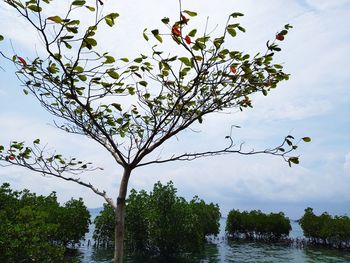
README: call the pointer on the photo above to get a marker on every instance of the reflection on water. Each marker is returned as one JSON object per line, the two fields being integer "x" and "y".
{"x": 232, "y": 251}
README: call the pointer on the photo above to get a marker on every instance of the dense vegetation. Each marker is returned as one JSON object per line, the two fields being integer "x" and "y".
{"x": 326, "y": 229}
{"x": 36, "y": 228}
{"x": 256, "y": 225}
{"x": 160, "y": 223}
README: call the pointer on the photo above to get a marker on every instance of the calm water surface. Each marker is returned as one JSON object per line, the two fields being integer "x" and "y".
{"x": 235, "y": 251}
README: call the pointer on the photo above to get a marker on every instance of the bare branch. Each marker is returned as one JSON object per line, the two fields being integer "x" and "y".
{"x": 281, "y": 150}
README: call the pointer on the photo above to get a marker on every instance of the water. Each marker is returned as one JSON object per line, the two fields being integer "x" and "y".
{"x": 235, "y": 251}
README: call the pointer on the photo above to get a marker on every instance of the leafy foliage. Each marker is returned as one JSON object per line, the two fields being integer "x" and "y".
{"x": 161, "y": 223}
{"x": 104, "y": 226}
{"x": 208, "y": 78}
{"x": 257, "y": 225}
{"x": 36, "y": 228}
{"x": 326, "y": 229}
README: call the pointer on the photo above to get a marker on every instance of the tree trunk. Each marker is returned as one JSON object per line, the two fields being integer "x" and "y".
{"x": 120, "y": 218}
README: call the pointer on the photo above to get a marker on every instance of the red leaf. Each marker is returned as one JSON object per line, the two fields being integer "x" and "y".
{"x": 188, "y": 39}
{"x": 184, "y": 19}
{"x": 280, "y": 37}
{"x": 11, "y": 157}
{"x": 176, "y": 30}
{"x": 233, "y": 69}
{"x": 22, "y": 61}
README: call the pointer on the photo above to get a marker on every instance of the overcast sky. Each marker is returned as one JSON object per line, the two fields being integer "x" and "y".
{"x": 314, "y": 102}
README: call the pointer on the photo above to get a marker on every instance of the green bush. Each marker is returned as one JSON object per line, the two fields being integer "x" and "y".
{"x": 36, "y": 228}
{"x": 257, "y": 225}
{"x": 325, "y": 229}
{"x": 160, "y": 223}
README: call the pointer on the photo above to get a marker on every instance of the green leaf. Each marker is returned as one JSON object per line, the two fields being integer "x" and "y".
{"x": 124, "y": 59}
{"x": 241, "y": 28}
{"x": 144, "y": 34}
{"x": 143, "y": 83}
{"x": 159, "y": 38}
{"x": 190, "y": 13}
{"x": 35, "y": 8}
{"x": 278, "y": 66}
{"x": 109, "y": 60}
{"x": 236, "y": 14}
{"x": 294, "y": 160}
{"x": 186, "y": 61}
{"x": 203, "y": 39}
{"x": 117, "y": 106}
{"x": 79, "y": 69}
{"x": 92, "y": 9}
{"x": 218, "y": 42}
{"x": 79, "y": 2}
{"x": 90, "y": 41}
{"x": 55, "y": 19}
{"x": 1, "y": 37}
{"x": 67, "y": 45}
{"x": 283, "y": 32}
{"x": 165, "y": 20}
{"x": 113, "y": 74}
{"x": 288, "y": 26}
{"x": 192, "y": 33}
{"x": 306, "y": 139}
{"x": 111, "y": 18}
{"x": 82, "y": 77}
{"x": 155, "y": 33}
{"x": 131, "y": 90}
{"x": 25, "y": 91}
{"x": 37, "y": 141}
{"x": 73, "y": 23}
{"x": 200, "y": 119}
{"x": 231, "y": 30}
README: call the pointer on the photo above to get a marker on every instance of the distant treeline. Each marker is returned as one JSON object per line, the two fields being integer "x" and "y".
{"x": 326, "y": 229}
{"x": 255, "y": 225}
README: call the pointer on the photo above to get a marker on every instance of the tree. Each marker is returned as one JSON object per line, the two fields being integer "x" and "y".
{"x": 37, "y": 228}
{"x": 76, "y": 84}
{"x": 326, "y": 229}
{"x": 161, "y": 224}
{"x": 104, "y": 226}
{"x": 257, "y": 225}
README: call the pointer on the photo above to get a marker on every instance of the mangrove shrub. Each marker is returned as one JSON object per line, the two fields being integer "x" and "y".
{"x": 160, "y": 223}
{"x": 326, "y": 229}
{"x": 37, "y": 228}
{"x": 257, "y": 225}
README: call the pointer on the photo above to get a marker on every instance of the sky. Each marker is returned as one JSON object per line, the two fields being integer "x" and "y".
{"x": 315, "y": 102}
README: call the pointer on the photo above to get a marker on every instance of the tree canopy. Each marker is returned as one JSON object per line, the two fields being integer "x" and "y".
{"x": 333, "y": 231}
{"x": 160, "y": 223}
{"x": 257, "y": 225}
{"x": 38, "y": 228}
